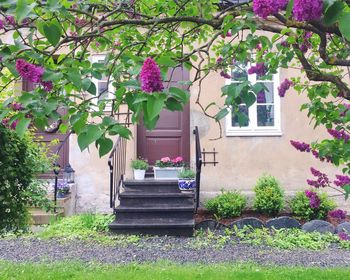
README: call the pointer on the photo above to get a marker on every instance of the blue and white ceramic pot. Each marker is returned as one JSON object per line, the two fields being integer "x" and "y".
{"x": 187, "y": 184}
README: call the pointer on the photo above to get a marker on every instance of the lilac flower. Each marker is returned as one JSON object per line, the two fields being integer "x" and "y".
{"x": 225, "y": 75}
{"x": 258, "y": 69}
{"x": 14, "y": 124}
{"x": 322, "y": 179}
{"x": 10, "y": 20}
{"x": 342, "y": 180}
{"x": 339, "y": 134}
{"x": 80, "y": 22}
{"x": 337, "y": 214}
{"x": 264, "y": 8}
{"x": 29, "y": 71}
{"x": 314, "y": 200}
{"x": 228, "y": 34}
{"x": 16, "y": 106}
{"x": 305, "y": 10}
{"x": 344, "y": 236}
{"x": 151, "y": 80}
{"x": 219, "y": 60}
{"x": 48, "y": 86}
{"x": 284, "y": 86}
{"x": 1, "y": 24}
{"x": 282, "y": 4}
{"x": 5, "y": 121}
{"x": 300, "y": 146}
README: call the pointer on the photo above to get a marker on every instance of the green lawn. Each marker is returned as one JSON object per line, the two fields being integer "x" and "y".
{"x": 163, "y": 271}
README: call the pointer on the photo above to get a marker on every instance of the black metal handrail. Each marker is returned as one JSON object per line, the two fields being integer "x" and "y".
{"x": 117, "y": 165}
{"x": 57, "y": 167}
{"x": 198, "y": 164}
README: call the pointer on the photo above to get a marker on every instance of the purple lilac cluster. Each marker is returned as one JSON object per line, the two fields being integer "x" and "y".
{"x": 304, "y": 10}
{"x": 322, "y": 179}
{"x": 219, "y": 60}
{"x": 339, "y": 134}
{"x": 258, "y": 69}
{"x": 6, "y": 121}
{"x": 225, "y": 75}
{"x": 32, "y": 73}
{"x": 306, "y": 45}
{"x": 342, "y": 180}
{"x": 314, "y": 200}
{"x": 285, "y": 44}
{"x": 16, "y": 106}
{"x": 343, "y": 236}
{"x": 151, "y": 80}
{"x": 228, "y": 34}
{"x": 284, "y": 86}
{"x": 80, "y": 22}
{"x": 337, "y": 214}
{"x": 260, "y": 97}
{"x": 300, "y": 146}
{"x": 265, "y": 8}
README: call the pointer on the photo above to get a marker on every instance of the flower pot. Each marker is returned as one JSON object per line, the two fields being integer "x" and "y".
{"x": 139, "y": 174}
{"x": 187, "y": 184}
{"x": 166, "y": 173}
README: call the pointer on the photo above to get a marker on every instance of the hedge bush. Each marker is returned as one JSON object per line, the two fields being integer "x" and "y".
{"x": 20, "y": 160}
{"x": 269, "y": 196}
{"x": 227, "y": 205}
{"x": 301, "y": 208}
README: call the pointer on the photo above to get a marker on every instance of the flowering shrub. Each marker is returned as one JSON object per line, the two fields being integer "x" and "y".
{"x": 337, "y": 214}
{"x": 309, "y": 205}
{"x": 269, "y": 196}
{"x": 168, "y": 162}
{"x": 227, "y": 205}
{"x": 20, "y": 160}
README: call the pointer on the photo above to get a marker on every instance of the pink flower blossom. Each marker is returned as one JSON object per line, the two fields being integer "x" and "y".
{"x": 177, "y": 159}
{"x": 165, "y": 159}
{"x": 151, "y": 80}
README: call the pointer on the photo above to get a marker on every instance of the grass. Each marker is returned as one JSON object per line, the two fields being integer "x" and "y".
{"x": 164, "y": 271}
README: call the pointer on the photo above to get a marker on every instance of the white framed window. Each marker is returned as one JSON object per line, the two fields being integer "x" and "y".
{"x": 103, "y": 90}
{"x": 264, "y": 116}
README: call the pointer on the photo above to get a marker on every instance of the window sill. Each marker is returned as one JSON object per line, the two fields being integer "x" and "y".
{"x": 253, "y": 133}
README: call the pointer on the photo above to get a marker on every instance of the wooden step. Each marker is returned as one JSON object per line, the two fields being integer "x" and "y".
{"x": 151, "y": 185}
{"x": 160, "y": 199}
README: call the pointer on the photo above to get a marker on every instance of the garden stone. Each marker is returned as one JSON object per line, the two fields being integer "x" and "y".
{"x": 207, "y": 224}
{"x": 283, "y": 222}
{"x": 250, "y": 222}
{"x": 319, "y": 226}
{"x": 343, "y": 227}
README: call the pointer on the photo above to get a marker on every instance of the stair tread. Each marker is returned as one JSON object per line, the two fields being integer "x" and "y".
{"x": 142, "y": 223}
{"x": 155, "y": 194}
{"x": 151, "y": 181}
{"x": 152, "y": 208}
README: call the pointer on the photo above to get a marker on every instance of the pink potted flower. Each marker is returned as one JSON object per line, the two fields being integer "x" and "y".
{"x": 167, "y": 168}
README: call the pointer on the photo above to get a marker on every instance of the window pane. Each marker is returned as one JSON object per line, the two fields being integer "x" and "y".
{"x": 266, "y": 115}
{"x": 239, "y": 72}
{"x": 244, "y": 110}
{"x": 102, "y": 90}
{"x": 266, "y": 95}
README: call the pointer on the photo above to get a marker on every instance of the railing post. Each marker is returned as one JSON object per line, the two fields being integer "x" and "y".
{"x": 56, "y": 170}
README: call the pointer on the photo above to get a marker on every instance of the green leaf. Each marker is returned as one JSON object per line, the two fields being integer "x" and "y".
{"x": 118, "y": 129}
{"x": 173, "y": 105}
{"x": 105, "y": 145}
{"x": 333, "y": 13}
{"x": 86, "y": 83}
{"x": 242, "y": 118}
{"x": 222, "y": 114}
{"x": 22, "y": 126}
{"x": 92, "y": 133}
{"x": 180, "y": 94}
{"x": 346, "y": 188}
{"x": 92, "y": 89}
{"x": 344, "y": 25}
{"x": 23, "y": 9}
{"x": 166, "y": 61}
{"x": 289, "y": 8}
{"x": 155, "y": 104}
{"x": 74, "y": 76}
{"x": 53, "y": 33}
{"x": 51, "y": 76}
{"x": 79, "y": 122}
{"x": 249, "y": 98}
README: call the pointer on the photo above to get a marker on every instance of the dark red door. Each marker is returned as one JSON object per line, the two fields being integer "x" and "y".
{"x": 171, "y": 136}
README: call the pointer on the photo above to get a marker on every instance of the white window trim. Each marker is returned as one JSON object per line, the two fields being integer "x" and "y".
{"x": 253, "y": 129}
{"x": 95, "y": 58}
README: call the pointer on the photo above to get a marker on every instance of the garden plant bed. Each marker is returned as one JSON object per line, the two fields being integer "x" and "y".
{"x": 203, "y": 215}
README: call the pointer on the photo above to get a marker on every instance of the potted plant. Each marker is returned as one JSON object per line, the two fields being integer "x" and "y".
{"x": 187, "y": 181}
{"x": 140, "y": 166}
{"x": 167, "y": 168}
{"x": 62, "y": 189}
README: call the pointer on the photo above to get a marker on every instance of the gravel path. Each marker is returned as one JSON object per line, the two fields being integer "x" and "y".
{"x": 165, "y": 248}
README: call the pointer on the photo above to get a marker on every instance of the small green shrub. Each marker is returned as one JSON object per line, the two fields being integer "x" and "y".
{"x": 226, "y": 205}
{"x": 187, "y": 174}
{"x": 139, "y": 164}
{"x": 269, "y": 196}
{"x": 300, "y": 206}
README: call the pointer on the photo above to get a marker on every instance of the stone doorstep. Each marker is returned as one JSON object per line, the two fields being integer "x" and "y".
{"x": 40, "y": 217}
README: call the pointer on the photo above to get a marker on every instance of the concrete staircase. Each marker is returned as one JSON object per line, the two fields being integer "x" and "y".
{"x": 154, "y": 207}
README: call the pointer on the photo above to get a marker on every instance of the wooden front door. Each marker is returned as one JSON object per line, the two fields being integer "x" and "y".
{"x": 171, "y": 136}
